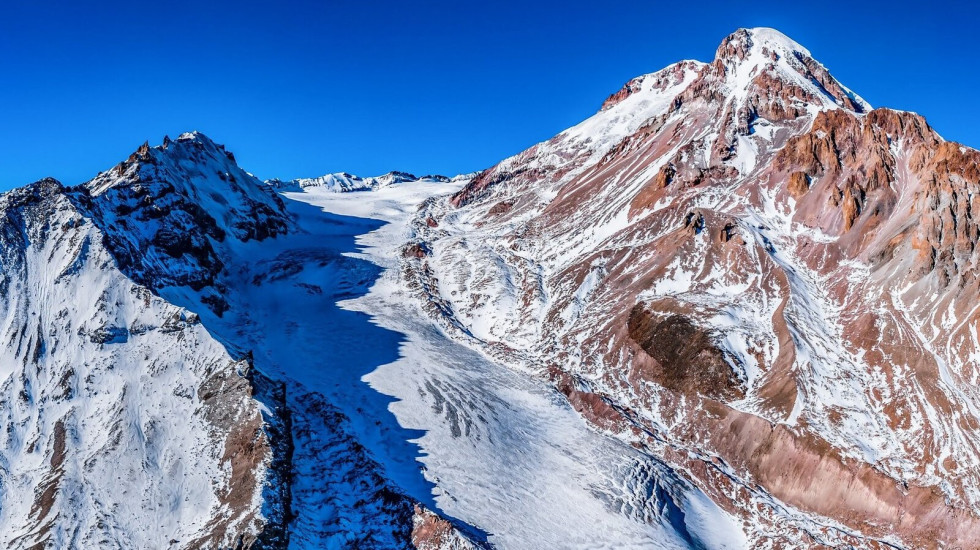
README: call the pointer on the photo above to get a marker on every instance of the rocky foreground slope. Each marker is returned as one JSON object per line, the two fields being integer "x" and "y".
{"x": 743, "y": 268}
{"x": 125, "y": 423}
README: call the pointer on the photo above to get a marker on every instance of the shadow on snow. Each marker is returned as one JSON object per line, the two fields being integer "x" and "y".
{"x": 283, "y": 296}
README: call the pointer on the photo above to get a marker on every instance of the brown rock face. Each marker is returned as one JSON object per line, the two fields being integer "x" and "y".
{"x": 689, "y": 360}
{"x": 225, "y": 397}
{"x": 431, "y": 532}
{"x": 798, "y": 184}
{"x": 762, "y": 281}
{"x": 626, "y": 91}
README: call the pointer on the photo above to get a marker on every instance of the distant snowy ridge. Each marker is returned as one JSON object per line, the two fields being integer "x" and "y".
{"x": 342, "y": 182}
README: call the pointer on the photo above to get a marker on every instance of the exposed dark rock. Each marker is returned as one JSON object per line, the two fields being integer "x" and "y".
{"x": 690, "y": 361}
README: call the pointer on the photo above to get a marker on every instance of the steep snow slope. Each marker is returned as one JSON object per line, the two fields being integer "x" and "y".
{"x": 742, "y": 268}
{"x": 125, "y": 423}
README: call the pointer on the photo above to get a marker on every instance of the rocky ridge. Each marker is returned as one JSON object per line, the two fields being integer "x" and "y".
{"x": 96, "y": 367}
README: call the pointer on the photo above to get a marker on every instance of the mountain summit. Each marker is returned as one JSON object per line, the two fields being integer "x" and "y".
{"x": 748, "y": 54}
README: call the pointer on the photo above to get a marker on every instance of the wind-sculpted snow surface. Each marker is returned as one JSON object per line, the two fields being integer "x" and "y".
{"x": 742, "y": 268}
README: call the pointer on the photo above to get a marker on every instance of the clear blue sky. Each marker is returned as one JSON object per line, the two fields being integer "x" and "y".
{"x": 299, "y": 88}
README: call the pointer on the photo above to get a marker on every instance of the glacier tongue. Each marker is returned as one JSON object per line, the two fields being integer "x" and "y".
{"x": 500, "y": 451}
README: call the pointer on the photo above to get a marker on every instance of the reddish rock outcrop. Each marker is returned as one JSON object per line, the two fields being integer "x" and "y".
{"x": 431, "y": 532}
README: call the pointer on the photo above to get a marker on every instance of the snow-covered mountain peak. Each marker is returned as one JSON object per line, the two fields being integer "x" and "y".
{"x": 763, "y": 61}
{"x": 740, "y": 43}
{"x": 189, "y": 157}
{"x": 193, "y": 169}
{"x": 764, "y": 204}
{"x": 761, "y": 88}
{"x": 194, "y": 135}
{"x": 166, "y": 209}
{"x": 117, "y": 406}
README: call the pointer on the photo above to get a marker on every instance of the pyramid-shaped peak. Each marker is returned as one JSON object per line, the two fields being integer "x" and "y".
{"x": 738, "y": 44}
{"x": 766, "y": 58}
{"x": 191, "y": 152}
{"x": 199, "y": 140}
